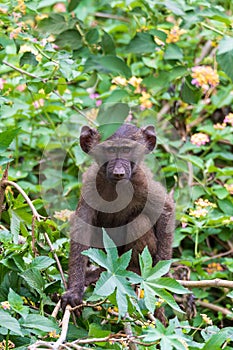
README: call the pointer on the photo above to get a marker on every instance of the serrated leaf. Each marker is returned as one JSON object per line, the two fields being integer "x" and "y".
{"x": 42, "y": 262}
{"x": 34, "y": 279}
{"x": 190, "y": 93}
{"x": 15, "y": 227}
{"x": 197, "y": 161}
{"x": 6, "y": 137}
{"x": 10, "y": 323}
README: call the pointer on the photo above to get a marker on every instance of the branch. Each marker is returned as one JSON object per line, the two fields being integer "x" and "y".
{"x": 65, "y": 323}
{"x": 24, "y": 72}
{"x": 2, "y": 189}
{"x": 207, "y": 283}
{"x": 37, "y": 217}
{"x": 217, "y": 308}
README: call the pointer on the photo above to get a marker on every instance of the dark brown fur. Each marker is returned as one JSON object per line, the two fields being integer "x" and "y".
{"x": 148, "y": 220}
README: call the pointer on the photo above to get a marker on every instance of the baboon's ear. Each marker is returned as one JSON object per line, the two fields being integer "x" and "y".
{"x": 149, "y": 136}
{"x": 89, "y": 138}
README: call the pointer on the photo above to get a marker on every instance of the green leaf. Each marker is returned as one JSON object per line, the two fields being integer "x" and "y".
{"x": 217, "y": 340}
{"x": 226, "y": 206}
{"x": 97, "y": 256}
{"x": 107, "y": 64}
{"x": 6, "y": 137}
{"x": 10, "y": 323}
{"x": 73, "y": 4}
{"x": 145, "y": 262}
{"x": 190, "y": 93}
{"x": 142, "y": 43}
{"x": 28, "y": 58}
{"x": 160, "y": 269}
{"x": 173, "y": 52}
{"x": 169, "y": 283}
{"x": 14, "y": 226}
{"x": 108, "y": 45}
{"x": 197, "y": 161}
{"x": 110, "y": 117}
{"x": 41, "y": 323}
{"x": 34, "y": 279}
{"x": 54, "y": 24}
{"x": 16, "y": 303}
{"x": 69, "y": 39}
{"x": 42, "y": 262}
{"x": 163, "y": 294}
{"x": 96, "y": 331}
{"x": 225, "y": 55}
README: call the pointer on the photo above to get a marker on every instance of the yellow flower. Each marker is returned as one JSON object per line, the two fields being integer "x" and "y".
{"x": 21, "y": 7}
{"x": 135, "y": 82}
{"x": 204, "y": 77}
{"x": 206, "y": 319}
{"x": 199, "y": 139}
{"x": 174, "y": 34}
{"x": 119, "y": 81}
{"x": 145, "y": 101}
{"x": 229, "y": 119}
{"x": 53, "y": 334}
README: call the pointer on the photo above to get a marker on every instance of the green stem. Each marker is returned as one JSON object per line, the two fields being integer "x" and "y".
{"x": 211, "y": 28}
{"x": 7, "y": 340}
{"x": 196, "y": 243}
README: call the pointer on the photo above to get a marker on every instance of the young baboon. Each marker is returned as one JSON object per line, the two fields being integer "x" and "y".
{"x": 120, "y": 195}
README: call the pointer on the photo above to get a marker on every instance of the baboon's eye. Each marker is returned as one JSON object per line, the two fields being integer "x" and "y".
{"x": 112, "y": 149}
{"x": 125, "y": 149}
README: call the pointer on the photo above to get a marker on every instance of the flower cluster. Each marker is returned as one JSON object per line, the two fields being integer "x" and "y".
{"x": 201, "y": 208}
{"x": 204, "y": 77}
{"x": 63, "y": 215}
{"x": 206, "y": 319}
{"x": 229, "y": 119}
{"x": 174, "y": 34}
{"x": 214, "y": 267}
{"x": 144, "y": 100}
{"x": 199, "y": 139}
{"x": 220, "y": 126}
{"x": 198, "y": 213}
{"x": 203, "y": 203}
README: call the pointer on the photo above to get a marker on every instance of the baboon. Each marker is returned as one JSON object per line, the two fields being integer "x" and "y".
{"x": 120, "y": 195}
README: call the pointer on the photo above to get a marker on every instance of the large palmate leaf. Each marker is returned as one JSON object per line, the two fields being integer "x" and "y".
{"x": 116, "y": 277}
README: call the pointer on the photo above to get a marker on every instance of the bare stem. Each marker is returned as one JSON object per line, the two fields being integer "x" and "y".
{"x": 207, "y": 283}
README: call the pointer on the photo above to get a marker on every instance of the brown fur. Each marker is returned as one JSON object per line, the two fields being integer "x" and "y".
{"x": 151, "y": 210}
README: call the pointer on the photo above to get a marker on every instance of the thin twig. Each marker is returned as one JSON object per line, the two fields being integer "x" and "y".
{"x": 24, "y": 72}
{"x": 110, "y": 16}
{"x": 207, "y": 283}
{"x": 56, "y": 309}
{"x": 2, "y": 189}
{"x": 216, "y": 308}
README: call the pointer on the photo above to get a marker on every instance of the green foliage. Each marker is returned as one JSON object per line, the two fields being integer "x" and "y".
{"x": 68, "y": 64}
